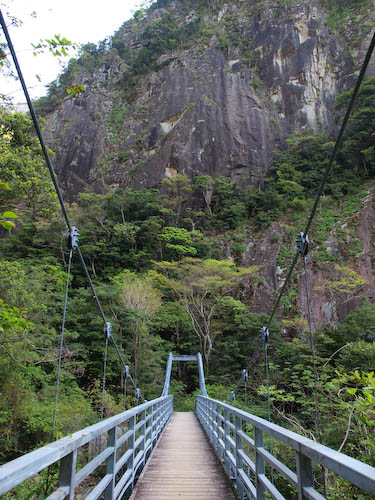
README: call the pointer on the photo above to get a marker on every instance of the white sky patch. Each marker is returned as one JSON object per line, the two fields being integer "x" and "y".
{"x": 80, "y": 21}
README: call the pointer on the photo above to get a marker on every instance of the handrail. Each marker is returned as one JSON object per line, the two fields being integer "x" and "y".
{"x": 145, "y": 424}
{"x": 226, "y": 428}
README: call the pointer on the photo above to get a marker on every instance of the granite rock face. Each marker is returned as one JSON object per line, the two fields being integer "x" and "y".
{"x": 219, "y": 106}
{"x": 205, "y": 109}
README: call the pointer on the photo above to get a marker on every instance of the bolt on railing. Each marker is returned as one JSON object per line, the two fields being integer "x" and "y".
{"x": 228, "y": 430}
{"x": 124, "y": 455}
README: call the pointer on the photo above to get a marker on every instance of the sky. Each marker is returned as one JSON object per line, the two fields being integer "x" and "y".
{"x": 80, "y": 21}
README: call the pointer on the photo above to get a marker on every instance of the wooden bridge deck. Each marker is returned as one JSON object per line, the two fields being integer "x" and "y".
{"x": 183, "y": 466}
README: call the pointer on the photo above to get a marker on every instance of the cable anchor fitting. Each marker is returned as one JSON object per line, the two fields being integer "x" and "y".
{"x": 232, "y": 396}
{"x": 108, "y": 330}
{"x": 137, "y": 393}
{"x": 302, "y": 243}
{"x": 73, "y": 236}
{"x": 127, "y": 371}
{"x": 245, "y": 375}
{"x": 265, "y": 335}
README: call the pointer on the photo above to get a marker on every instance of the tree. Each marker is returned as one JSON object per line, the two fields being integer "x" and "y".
{"x": 360, "y": 137}
{"x": 200, "y": 286}
{"x": 205, "y": 183}
{"x": 142, "y": 300}
{"x": 22, "y": 173}
{"x": 178, "y": 189}
{"x": 348, "y": 282}
{"x": 178, "y": 242}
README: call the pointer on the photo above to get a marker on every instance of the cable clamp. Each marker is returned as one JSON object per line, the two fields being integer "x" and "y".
{"x": 137, "y": 393}
{"x": 245, "y": 375}
{"x": 108, "y": 330}
{"x": 265, "y": 335}
{"x": 127, "y": 371}
{"x": 232, "y": 396}
{"x": 73, "y": 236}
{"x": 302, "y": 243}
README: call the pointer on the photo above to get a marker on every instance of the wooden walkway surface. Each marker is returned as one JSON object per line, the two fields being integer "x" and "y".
{"x": 183, "y": 466}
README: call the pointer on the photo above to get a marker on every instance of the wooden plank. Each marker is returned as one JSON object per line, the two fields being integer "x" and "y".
{"x": 183, "y": 466}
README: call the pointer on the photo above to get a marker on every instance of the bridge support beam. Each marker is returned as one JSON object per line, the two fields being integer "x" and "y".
{"x": 184, "y": 358}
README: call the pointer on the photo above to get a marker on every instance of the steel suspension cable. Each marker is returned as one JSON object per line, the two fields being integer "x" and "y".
{"x": 52, "y": 172}
{"x": 321, "y": 187}
{"x": 126, "y": 373}
{"x": 35, "y": 121}
{"x": 61, "y": 344}
{"x": 327, "y": 171}
{"x": 104, "y": 374}
{"x": 268, "y": 398}
{"x": 91, "y": 285}
{"x": 361, "y": 76}
{"x": 316, "y": 376}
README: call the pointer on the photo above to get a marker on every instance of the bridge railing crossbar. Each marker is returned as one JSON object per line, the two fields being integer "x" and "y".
{"x": 125, "y": 440}
{"x": 228, "y": 430}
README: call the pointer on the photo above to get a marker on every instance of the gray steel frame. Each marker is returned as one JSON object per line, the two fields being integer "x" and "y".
{"x": 180, "y": 357}
{"x": 227, "y": 427}
{"x": 144, "y": 426}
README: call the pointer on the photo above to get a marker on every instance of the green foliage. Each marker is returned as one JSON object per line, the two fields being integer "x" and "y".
{"x": 157, "y": 38}
{"x": 178, "y": 241}
{"x": 70, "y": 80}
{"x": 30, "y": 314}
{"x": 200, "y": 286}
{"x": 340, "y": 11}
{"x": 23, "y": 176}
{"x": 58, "y": 46}
{"x": 360, "y": 139}
{"x": 178, "y": 189}
{"x": 183, "y": 304}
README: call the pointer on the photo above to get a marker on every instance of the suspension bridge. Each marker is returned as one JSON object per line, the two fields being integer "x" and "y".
{"x": 150, "y": 452}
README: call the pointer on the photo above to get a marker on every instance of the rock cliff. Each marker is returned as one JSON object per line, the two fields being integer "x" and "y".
{"x": 250, "y": 74}
{"x": 218, "y": 102}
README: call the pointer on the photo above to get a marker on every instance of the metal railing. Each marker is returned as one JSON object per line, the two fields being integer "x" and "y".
{"x": 126, "y": 440}
{"x": 246, "y": 459}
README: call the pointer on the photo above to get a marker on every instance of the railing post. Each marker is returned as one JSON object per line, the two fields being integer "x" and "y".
{"x": 161, "y": 417}
{"x": 221, "y": 434}
{"x": 226, "y": 441}
{"x": 131, "y": 442}
{"x": 143, "y": 434}
{"x": 111, "y": 464}
{"x": 209, "y": 420}
{"x": 215, "y": 426}
{"x": 259, "y": 462}
{"x": 212, "y": 423}
{"x": 163, "y": 414}
{"x": 151, "y": 424}
{"x": 67, "y": 472}
{"x": 305, "y": 474}
{"x": 239, "y": 462}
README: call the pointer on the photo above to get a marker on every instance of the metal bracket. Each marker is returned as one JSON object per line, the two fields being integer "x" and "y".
{"x": 108, "y": 330}
{"x": 73, "y": 236}
{"x": 302, "y": 243}
{"x": 232, "y": 396}
{"x": 245, "y": 375}
{"x": 137, "y": 393}
{"x": 265, "y": 335}
{"x": 127, "y": 371}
